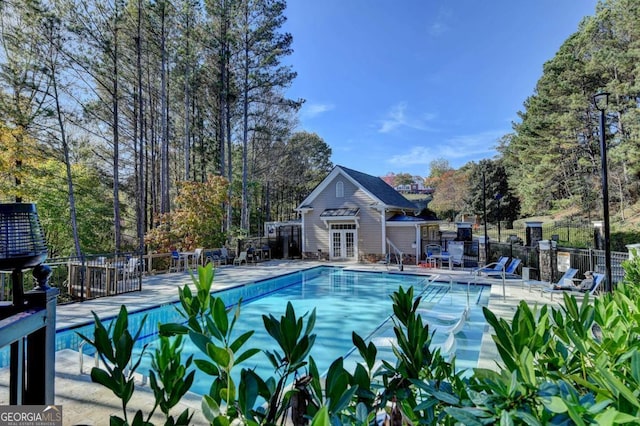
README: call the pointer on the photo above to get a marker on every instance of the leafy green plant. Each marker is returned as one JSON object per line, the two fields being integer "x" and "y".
{"x": 170, "y": 379}
{"x": 115, "y": 347}
{"x": 295, "y": 345}
{"x": 211, "y": 330}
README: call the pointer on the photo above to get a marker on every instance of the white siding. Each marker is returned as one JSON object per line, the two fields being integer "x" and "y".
{"x": 403, "y": 237}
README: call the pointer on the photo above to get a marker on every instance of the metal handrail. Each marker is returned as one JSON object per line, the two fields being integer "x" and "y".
{"x": 398, "y": 254}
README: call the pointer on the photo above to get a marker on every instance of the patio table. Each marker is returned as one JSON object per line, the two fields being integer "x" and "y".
{"x": 185, "y": 256}
{"x": 439, "y": 258}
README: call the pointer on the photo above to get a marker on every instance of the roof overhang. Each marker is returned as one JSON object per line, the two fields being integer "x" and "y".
{"x": 403, "y": 220}
{"x": 304, "y": 208}
{"x": 344, "y": 214}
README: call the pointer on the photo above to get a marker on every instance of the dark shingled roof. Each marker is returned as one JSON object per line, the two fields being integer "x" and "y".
{"x": 398, "y": 217}
{"x": 380, "y": 189}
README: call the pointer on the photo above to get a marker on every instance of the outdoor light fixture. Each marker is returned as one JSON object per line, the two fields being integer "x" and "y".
{"x": 600, "y": 101}
{"x": 22, "y": 244}
{"x": 498, "y": 197}
{"x": 484, "y": 214}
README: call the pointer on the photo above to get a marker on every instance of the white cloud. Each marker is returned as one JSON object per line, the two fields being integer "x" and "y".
{"x": 314, "y": 110}
{"x": 440, "y": 26}
{"x": 397, "y": 117}
{"x": 478, "y": 146}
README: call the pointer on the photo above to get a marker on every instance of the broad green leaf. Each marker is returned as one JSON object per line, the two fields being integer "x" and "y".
{"x": 464, "y": 415}
{"x": 210, "y": 408}
{"x": 555, "y": 404}
{"x": 102, "y": 377}
{"x": 246, "y": 355}
{"x": 321, "y": 418}
{"x": 122, "y": 322}
{"x": 237, "y": 344}
{"x": 220, "y": 356}
{"x": 220, "y": 316}
{"x": 172, "y": 329}
{"x": 618, "y": 387}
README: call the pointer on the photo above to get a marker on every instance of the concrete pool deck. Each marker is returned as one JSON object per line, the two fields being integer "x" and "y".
{"x": 86, "y": 403}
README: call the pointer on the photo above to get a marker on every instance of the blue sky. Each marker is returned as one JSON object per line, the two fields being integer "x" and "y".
{"x": 391, "y": 86}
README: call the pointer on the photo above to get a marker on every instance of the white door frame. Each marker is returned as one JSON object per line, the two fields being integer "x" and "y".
{"x": 341, "y": 234}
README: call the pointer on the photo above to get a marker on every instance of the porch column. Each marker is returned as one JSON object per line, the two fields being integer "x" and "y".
{"x": 418, "y": 243}
{"x": 303, "y": 237}
{"x": 383, "y": 223}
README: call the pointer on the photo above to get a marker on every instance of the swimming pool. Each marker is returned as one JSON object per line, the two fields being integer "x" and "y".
{"x": 345, "y": 301}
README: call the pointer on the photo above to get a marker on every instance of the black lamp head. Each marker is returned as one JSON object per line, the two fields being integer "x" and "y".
{"x": 22, "y": 243}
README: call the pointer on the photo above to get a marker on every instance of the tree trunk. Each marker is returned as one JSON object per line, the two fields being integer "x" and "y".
{"x": 164, "y": 143}
{"x": 116, "y": 140}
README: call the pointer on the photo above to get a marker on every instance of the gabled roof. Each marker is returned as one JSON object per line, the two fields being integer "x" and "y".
{"x": 379, "y": 191}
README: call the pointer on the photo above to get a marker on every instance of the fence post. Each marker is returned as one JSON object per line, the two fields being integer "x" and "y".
{"x": 598, "y": 235}
{"x": 533, "y": 232}
{"x": 631, "y": 248}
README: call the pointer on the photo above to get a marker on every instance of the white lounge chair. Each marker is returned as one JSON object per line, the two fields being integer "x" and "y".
{"x": 568, "y": 275}
{"x": 597, "y": 280}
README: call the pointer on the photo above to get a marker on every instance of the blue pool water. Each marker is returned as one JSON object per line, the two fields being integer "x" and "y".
{"x": 345, "y": 301}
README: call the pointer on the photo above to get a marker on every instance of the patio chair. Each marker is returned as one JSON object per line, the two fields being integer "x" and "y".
{"x": 509, "y": 271}
{"x": 568, "y": 275}
{"x": 579, "y": 290}
{"x": 494, "y": 267}
{"x": 456, "y": 254}
{"x": 242, "y": 257}
{"x": 176, "y": 261}
{"x": 131, "y": 269}
{"x": 197, "y": 256}
{"x": 224, "y": 255}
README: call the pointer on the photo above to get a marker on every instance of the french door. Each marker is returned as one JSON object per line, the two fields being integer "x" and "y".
{"x": 343, "y": 241}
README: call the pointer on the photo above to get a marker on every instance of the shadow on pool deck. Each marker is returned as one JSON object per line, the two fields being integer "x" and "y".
{"x": 86, "y": 403}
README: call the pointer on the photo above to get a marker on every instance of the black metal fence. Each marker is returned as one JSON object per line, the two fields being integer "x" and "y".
{"x": 88, "y": 277}
{"x": 568, "y": 232}
{"x": 581, "y": 259}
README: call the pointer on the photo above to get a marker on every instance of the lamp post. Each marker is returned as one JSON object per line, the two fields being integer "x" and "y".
{"x": 600, "y": 101}
{"x": 498, "y": 197}
{"x": 484, "y": 214}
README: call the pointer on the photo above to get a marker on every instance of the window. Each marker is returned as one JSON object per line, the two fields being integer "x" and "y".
{"x": 343, "y": 226}
{"x": 340, "y": 189}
